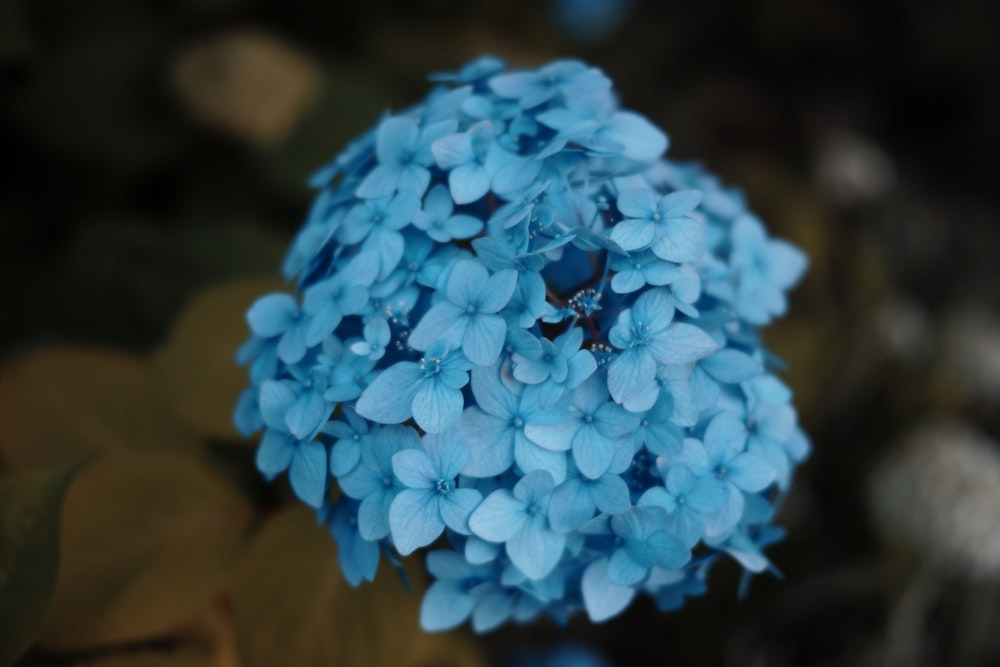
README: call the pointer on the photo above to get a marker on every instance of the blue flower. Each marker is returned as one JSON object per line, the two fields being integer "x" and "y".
{"x": 279, "y": 316}
{"x": 374, "y": 482}
{"x": 432, "y": 500}
{"x": 519, "y": 519}
{"x": 661, "y": 224}
{"x": 645, "y": 544}
{"x": 403, "y": 150}
{"x": 647, "y": 337}
{"x": 467, "y": 317}
{"x": 280, "y": 450}
{"x": 495, "y": 429}
{"x": 723, "y": 456}
{"x": 430, "y": 391}
{"x": 437, "y": 220}
{"x": 516, "y": 326}
{"x": 593, "y": 429}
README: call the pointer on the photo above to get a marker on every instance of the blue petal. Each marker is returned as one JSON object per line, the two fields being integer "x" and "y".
{"x": 483, "y": 339}
{"x": 436, "y": 408}
{"x": 668, "y": 552}
{"x": 274, "y": 454}
{"x": 414, "y": 469}
{"x": 632, "y": 372}
{"x": 414, "y": 519}
{"x": 571, "y": 506}
{"x": 499, "y": 517}
{"x": 307, "y": 473}
{"x": 389, "y": 398}
{"x": 457, "y": 506}
{"x": 592, "y": 452}
{"x": 684, "y": 241}
{"x": 276, "y": 399}
{"x": 623, "y": 571}
{"x": 602, "y": 598}
{"x": 611, "y": 494}
{"x": 271, "y": 315}
{"x": 535, "y": 549}
{"x": 373, "y": 515}
{"x": 491, "y": 446}
{"x": 380, "y": 182}
{"x": 468, "y": 183}
{"x": 492, "y": 610}
{"x": 445, "y": 606}
{"x": 682, "y": 344}
{"x": 307, "y": 415}
{"x": 732, "y": 366}
{"x": 750, "y": 472}
{"x": 447, "y": 451}
{"x": 443, "y": 322}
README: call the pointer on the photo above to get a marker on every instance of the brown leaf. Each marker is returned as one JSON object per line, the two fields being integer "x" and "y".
{"x": 196, "y": 371}
{"x": 147, "y": 540}
{"x": 60, "y": 404}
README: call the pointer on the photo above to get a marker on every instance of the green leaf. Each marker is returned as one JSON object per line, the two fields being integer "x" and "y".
{"x": 29, "y": 553}
{"x": 147, "y": 541}
{"x": 196, "y": 371}
{"x": 60, "y": 404}
{"x": 292, "y": 607}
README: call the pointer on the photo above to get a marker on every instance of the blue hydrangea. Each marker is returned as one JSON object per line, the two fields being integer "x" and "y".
{"x": 521, "y": 335}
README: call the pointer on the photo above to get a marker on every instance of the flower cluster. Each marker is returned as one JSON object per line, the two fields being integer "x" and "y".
{"x": 521, "y": 335}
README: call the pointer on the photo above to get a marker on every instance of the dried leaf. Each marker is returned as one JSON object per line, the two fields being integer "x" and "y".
{"x": 60, "y": 404}
{"x": 147, "y": 540}
{"x": 292, "y": 606}
{"x": 30, "y": 506}
{"x": 195, "y": 371}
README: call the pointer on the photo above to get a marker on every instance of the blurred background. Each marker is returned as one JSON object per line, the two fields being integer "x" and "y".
{"x": 157, "y": 158}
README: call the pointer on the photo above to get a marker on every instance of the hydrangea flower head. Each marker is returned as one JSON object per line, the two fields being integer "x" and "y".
{"x": 522, "y": 337}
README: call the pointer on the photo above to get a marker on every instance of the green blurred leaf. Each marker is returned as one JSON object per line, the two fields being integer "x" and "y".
{"x": 292, "y": 606}
{"x": 29, "y": 553}
{"x": 60, "y": 404}
{"x": 147, "y": 541}
{"x": 195, "y": 370}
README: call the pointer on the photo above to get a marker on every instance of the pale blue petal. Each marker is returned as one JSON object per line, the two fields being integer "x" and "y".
{"x": 725, "y": 436}
{"x": 373, "y": 515}
{"x": 492, "y": 610}
{"x": 457, "y": 506}
{"x": 603, "y": 598}
{"x": 436, "y": 408}
{"x": 750, "y": 472}
{"x": 448, "y": 452}
{"x": 498, "y": 291}
{"x": 592, "y": 452}
{"x": 684, "y": 241}
{"x": 623, "y": 571}
{"x": 414, "y": 519}
{"x": 732, "y": 366}
{"x": 631, "y": 373}
{"x": 633, "y": 234}
{"x": 307, "y": 415}
{"x": 307, "y": 473}
{"x": 380, "y": 182}
{"x": 443, "y": 322}
{"x": 274, "y": 454}
{"x": 468, "y": 183}
{"x": 276, "y": 399}
{"x": 668, "y": 552}
{"x": 535, "y": 549}
{"x": 532, "y": 458}
{"x": 491, "y": 395}
{"x": 490, "y": 441}
{"x": 483, "y": 339}
{"x": 344, "y": 456}
{"x": 445, "y": 606}
{"x": 571, "y": 506}
{"x": 389, "y": 398}
{"x": 499, "y": 517}
{"x": 555, "y": 437}
{"x": 271, "y": 315}
{"x": 478, "y": 551}
{"x": 683, "y": 343}
{"x": 637, "y": 203}
{"x": 414, "y": 469}
{"x": 610, "y": 494}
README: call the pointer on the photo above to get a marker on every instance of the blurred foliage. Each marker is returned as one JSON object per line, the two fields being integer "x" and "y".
{"x": 139, "y": 221}
{"x": 29, "y": 553}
